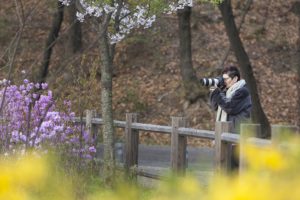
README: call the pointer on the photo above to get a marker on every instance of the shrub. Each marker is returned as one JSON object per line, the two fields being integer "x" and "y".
{"x": 30, "y": 121}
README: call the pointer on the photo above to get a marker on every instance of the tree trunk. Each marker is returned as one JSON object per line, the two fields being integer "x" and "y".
{"x": 56, "y": 25}
{"x": 296, "y": 10}
{"x": 106, "y": 106}
{"x": 192, "y": 87}
{"x": 257, "y": 114}
{"x": 298, "y": 70}
{"x": 73, "y": 47}
{"x": 74, "y": 35}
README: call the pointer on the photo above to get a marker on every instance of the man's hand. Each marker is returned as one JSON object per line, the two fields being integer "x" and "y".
{"x": 211, "y": 89}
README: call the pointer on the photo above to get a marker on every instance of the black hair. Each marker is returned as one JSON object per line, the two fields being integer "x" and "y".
{"x": 232, "y": 71}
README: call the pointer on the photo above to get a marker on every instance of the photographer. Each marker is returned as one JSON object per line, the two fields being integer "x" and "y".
{"x": 231, "y": 98}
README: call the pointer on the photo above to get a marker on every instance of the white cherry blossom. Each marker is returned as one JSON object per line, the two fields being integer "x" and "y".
{"x": 129, "y": 18}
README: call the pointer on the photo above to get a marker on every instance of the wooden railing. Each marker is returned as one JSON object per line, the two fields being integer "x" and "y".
{"x": 223, "y": 138}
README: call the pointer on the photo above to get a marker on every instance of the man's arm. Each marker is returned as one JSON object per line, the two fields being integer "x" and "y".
{"x": 215, "y": 92}
{"x": 234, "y": 105}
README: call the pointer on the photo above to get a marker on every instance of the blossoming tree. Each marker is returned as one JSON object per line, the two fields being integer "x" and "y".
{"x": 116, "y": 18}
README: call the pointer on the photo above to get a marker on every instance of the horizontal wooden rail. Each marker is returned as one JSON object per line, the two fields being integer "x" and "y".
{"x": 99, "y": 121}
{"x": 230, "y": 137}
{"x": 225, "y": 144}
{"x": 259, "y": 142}
{"x": 205, "y": 134}
{"x": 143, "y": 173}
{"x": 136, "y": 126}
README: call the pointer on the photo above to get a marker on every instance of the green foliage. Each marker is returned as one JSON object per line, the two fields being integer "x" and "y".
{"x": 155, "y": 6}
{"x": 99, "y": 3}
{"x": 215, "y": 2}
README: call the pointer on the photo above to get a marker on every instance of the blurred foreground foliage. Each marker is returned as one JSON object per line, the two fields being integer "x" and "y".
{"x": 272, "y": 172}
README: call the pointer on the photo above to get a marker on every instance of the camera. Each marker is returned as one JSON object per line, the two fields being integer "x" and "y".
{"x": 217, "y": 81}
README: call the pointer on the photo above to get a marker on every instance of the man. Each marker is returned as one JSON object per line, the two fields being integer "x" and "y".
{"x": 232, "y": 99}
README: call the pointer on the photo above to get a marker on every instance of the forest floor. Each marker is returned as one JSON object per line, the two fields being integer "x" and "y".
{"x": 147, "y": 76}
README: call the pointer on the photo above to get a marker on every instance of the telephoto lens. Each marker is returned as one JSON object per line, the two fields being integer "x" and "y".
{"x": 218, "y": 81}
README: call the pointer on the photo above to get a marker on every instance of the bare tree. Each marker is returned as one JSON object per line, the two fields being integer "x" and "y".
{"x": 296, "y": 10}
{"x": 51, "y": 41}
{"x": 14, "y": 46}
{"x": 227, "y": 52}
{"x": 257, "y": 115}
{"x": 74, "y": 44}
{"x": 193, "y": 89}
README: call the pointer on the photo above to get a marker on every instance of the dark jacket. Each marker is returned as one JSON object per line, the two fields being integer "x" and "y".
{"x": 238, "y": 108}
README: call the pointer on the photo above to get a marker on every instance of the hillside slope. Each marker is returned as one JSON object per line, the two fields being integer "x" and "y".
{"x": 147, "y": 77}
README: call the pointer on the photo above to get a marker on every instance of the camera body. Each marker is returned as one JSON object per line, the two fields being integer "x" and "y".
{"x": 217, "y": 81}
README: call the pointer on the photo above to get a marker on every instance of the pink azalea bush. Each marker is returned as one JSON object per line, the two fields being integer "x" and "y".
{"x": 30, "y": 121}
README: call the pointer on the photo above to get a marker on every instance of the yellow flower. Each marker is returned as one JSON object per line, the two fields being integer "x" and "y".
{"x": 189, "y": 187}
{"x": 30, "y": 171}
{"x": 269, "y": 158}
{"x": 19, "y": 175}
{"x": 245, "y": 187}
{"x": 28, "y": 178}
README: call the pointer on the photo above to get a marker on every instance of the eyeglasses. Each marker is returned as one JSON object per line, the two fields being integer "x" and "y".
{"x": 225, "y": 79}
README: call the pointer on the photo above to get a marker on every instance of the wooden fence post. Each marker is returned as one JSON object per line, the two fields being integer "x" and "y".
{"x": 88, "y": 123}
{"x": 131, "y": 142}
{"x": 247, "y": 130}
{"x": 96, "y": 134}
{"x": 281, "y": 133}
{"x": 223, "y": 150}
{"x": 178, "y": 146}
{"x": 91, "y": 128}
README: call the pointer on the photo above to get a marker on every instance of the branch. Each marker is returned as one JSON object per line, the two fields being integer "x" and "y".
{"x": 116, "y": 25}
{"x": 51, "y": 44}
{"x": 20, "y": 11}
{"x": 41, "y": 121}
{"x": 75, "y": 57}
{"x": 16, "y": 35}
{"x": 12, "y": 59}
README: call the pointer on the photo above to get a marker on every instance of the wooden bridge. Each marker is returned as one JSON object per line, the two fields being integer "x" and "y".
{"x": 224, "y": 140}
